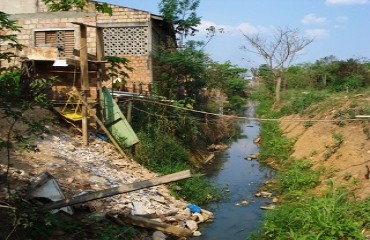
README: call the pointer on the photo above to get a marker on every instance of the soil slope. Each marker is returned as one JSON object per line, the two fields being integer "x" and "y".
{"x": 340, "y": 147}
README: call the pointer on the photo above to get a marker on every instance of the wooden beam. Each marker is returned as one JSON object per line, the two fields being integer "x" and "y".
{"x": 101, "y": 69}
{"x": 84, "y": 81}
{"x": 119, "y": 190}
{"x": 102, "y": 126}
{"x": 152, "y": 224}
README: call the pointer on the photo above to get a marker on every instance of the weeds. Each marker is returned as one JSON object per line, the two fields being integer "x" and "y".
{"x": 332, "y": 216}
{"x": 298, "y": 103}
{"x": 164, "y": 154}
{"x": 297, "y": 176}
{"x": 331, "y": 149}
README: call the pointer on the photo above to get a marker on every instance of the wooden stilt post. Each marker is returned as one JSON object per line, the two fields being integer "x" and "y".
{"x": 129, "y": 110}
{"x": 101, "y": 71}
{"x": 84, "y": 81}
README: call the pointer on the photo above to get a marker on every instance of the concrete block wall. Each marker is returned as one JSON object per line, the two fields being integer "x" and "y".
{"x": 142, "y": 72}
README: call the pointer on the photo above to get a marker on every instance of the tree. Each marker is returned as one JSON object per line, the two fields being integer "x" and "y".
{"x": 278, "y": 52}
{"x": 66, "y": 5}
{"x": 8, "y": 39}
{"x": 180, "y": 74}
{"x": 182, "y": 14}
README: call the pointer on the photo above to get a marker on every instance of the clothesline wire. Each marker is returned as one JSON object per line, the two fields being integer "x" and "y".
{"x": 249, "y": 118}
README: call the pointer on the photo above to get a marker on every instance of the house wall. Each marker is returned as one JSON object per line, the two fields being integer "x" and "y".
{"x": 57, "y": 21}
{"x": 17, "y": 6}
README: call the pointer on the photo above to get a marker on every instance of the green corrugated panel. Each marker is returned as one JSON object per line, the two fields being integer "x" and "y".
{"x": 116, "y": 122}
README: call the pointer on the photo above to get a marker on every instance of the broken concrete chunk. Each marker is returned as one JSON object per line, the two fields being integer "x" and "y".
{"x": 192, "y": 225}
{"x": 158, "y": 235}
{"x": 138, "y": 208}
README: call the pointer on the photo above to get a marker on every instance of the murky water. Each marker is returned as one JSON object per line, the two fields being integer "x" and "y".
{"x": 233, "y": 218}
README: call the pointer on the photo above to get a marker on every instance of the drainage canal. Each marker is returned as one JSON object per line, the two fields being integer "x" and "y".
{"x": 238, "y": 214}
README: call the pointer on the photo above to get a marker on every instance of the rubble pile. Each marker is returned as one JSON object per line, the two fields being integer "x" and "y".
{"x": 82, "y": 169}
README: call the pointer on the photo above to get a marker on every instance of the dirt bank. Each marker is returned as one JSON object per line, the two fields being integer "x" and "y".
{"x": 340, "y": 147}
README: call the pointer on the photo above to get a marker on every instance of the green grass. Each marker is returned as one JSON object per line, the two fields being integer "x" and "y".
{"x": 333, "y": 216}
{"x": 164, "y": 154}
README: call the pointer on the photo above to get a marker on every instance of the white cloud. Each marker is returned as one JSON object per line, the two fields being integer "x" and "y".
{"x": 313, "y": 19}
{"x": 248, "y": 28}
{"x": 347, "y": 2}
{"x": 317, "y": 33}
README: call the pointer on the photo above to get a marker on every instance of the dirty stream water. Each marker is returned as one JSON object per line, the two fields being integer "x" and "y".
{"x": 238, "y": 214}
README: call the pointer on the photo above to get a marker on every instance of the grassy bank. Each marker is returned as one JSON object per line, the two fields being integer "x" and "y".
{"x": 301, "y": 214}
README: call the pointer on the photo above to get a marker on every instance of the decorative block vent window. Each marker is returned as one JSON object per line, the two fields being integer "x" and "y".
{"x": 61, "y": 39}
{"x": 125, "y": 41}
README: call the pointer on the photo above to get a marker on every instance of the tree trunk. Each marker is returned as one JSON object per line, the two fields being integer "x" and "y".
{"x": 277, "y": 88}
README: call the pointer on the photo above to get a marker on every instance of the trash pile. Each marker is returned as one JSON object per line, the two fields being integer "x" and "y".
{"x": 80, "y": 170}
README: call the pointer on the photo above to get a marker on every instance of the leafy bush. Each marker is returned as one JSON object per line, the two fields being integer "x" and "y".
{"x": 164, "y": 154}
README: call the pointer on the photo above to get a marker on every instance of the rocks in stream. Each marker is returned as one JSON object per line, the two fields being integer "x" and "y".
{"x": 252, "y": 156}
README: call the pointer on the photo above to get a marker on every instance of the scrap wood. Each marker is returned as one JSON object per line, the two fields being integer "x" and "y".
{"x": 119, "y": 190}
{"x": 152, "y": 224}
{"x": 101, "y": 124}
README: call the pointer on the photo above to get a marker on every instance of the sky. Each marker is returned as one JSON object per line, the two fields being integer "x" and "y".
{"x": 339, "y": 27}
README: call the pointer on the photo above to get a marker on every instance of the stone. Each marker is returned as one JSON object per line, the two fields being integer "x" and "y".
{"x": 264, "y": 194}
{"x": 192, "y": 225}
{"x": 198, "y": 217}
{"x": 197, "y": 234}
{"x": 158, "y": 235}
{"x": 268, "y": 207}
{"x": 96, "y": 179}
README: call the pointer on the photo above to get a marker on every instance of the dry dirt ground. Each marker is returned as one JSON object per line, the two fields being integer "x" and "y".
{"x": 342, "y": 149}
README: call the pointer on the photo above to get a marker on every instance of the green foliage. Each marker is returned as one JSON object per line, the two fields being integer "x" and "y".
{"x": 237, "y": 104}
{"x": 10, "y": 40}
{"x": 332, "y": 216}
{"x": 300, "y": 101}
{"x": 331, "y": 149}
{"x": 34, "y": 223}
{"x": 67, "y": 5}
{"x": 162, "y": 153}
{"x": 226, "y": 78}
{"x": 182, "y": 14}
{"x": 118, "y": 68}
{"x": 180, "y": 73}
{"x": 196, "y": 190}
{"x": 298, "y": 176}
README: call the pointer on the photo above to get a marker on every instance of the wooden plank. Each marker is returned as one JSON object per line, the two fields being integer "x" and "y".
{"x": 84, "y": 81}
{"x": 77, "y": 53}
{"x": 119, "y": 190}
{"x": 148, "y": 223}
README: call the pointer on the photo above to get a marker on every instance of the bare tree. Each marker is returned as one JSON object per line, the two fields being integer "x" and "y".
{"x": 278, "y": 52}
